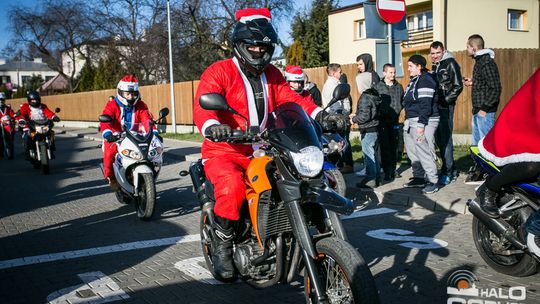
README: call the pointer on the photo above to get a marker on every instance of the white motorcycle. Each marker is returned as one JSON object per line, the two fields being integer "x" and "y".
{"x": 137, "y": 164}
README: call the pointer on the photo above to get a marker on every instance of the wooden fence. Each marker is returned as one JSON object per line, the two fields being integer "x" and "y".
{"x": 515, "y": 67}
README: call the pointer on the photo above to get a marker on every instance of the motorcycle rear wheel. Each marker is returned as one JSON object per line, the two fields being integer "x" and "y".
{"x": 343, "y": 273}
{"x": 518, "y": 265}
{"x": 44, "y": 159}
{"x": 206, "y": 243}
{"x": 146, "y": 200}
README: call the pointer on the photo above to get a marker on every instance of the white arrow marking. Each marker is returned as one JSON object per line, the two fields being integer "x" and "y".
{"x": 392, "y": 5}
{"x": 411, "y": 241}
{"x": 97, "y": 288}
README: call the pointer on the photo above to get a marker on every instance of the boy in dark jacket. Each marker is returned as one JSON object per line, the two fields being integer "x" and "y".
{"x": 368, "y": 122}
{"x": 391, "y": 93}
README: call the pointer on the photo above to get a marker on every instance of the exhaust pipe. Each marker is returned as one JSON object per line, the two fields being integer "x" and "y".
{"x": 495, "y": 225}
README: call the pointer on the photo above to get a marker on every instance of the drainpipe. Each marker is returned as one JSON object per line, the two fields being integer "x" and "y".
{"x": 445, "y": 13}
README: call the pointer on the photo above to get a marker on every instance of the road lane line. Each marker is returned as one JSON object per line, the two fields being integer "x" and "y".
{"x": 75, "y": 254}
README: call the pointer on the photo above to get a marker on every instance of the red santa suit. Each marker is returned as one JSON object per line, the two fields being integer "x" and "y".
{"x": 515, "y": 137}
{"x": 6, "y": 113}
{"x": 133, "y": 116}
{"x": 30, "y": 113}
{"x": 226, "y": 163}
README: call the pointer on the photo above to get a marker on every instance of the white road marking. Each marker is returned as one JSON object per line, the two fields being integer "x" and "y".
{"x": 192, "y": 268}
{"x": 370, "y": 212}
{"x": 68, "y": 255}
{"x": 97, "y": 288}
{"x": 411, "y": 241}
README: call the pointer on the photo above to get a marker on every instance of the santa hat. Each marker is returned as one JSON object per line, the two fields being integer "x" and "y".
{"x": 249, "y": 14}
{"x": 515, "y": 137}
{"x": 128, "y": 83}
{"x": 294, "y": 73}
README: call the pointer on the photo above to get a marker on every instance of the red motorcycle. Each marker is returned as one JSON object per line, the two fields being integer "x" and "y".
{"x": 8, "y": 134}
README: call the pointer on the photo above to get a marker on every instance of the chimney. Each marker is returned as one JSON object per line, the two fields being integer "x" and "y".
{"x": 2, "y": 61}
{"x": 38, "y": 60}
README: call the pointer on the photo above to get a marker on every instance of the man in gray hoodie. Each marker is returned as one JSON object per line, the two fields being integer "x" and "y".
{"x": 450, "y": 85}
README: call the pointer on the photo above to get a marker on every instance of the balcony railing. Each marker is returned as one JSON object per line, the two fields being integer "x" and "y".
{"x": 418, "y": 38}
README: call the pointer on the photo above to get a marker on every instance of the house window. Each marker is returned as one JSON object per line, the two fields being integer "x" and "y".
{"x": 359, "y": 29}
{"x": 517, "y": 20}
{"x": 420, "y": 21}
{"x": 25, "y": 80}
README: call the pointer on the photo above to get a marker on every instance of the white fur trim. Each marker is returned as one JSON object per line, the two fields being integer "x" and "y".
{"x": 207, "y": 124}
{"x": 315, "y": 112}
{"x": 294, "y": 77}
{"x": 252, "y": 107}
{"x": 501, "y": 161}
{"x": 253, "y": 17}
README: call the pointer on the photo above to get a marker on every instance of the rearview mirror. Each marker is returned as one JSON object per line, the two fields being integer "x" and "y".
{"x": 163, "y": 112}
{"x": 341, "y": 91}
{"x": 105, "y": 118}
{"x": 213, "y": 101}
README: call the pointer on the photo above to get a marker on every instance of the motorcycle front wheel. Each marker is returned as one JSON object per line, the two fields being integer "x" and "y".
{"x": 343, "y": 274}
{"x": 146, "y": 199}
{"x": 337, "y": 181}
{"x": 44, "y": 159}
{"x": 490, "y": 246}
{"x": 8, "y": 146}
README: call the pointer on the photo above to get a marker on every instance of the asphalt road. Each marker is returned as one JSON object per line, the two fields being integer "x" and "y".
{"x": 65, "y": 239}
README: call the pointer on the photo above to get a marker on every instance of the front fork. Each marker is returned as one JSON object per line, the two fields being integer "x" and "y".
{"x": 309, "y": 253}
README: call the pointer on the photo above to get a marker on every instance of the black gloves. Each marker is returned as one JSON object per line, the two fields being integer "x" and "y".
{"x": 332, "y": 122}
{"x": 56, "y": 118}
{"x": 217, "y": 132}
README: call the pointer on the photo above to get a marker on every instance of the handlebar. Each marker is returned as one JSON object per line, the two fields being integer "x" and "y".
{"x": 239, "y": 137}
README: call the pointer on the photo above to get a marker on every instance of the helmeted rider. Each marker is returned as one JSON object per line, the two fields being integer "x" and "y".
{"x": 254, "y": 88}
{"x": 6, "y": 112}
{"x": 34, "y": 109}
{"x": 126, "y": 109}
{"x": 296, "y": 79}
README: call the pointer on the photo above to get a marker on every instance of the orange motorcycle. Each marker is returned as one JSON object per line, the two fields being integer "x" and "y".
{"x": 290, "y": 224}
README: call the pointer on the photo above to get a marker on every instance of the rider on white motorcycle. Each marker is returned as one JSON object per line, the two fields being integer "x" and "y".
{"x": 126, "y": 109}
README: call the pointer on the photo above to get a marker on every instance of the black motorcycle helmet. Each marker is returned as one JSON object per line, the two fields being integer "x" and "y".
{"x": 253, "y": 29}
{"x": 33, "y": 98}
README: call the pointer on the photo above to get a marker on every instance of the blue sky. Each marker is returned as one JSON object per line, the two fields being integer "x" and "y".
{"x": 283, "y": 27}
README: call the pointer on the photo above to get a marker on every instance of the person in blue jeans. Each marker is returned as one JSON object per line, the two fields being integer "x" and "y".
{"x": 450, "y": 85}
{"x": 368, "y": 122}
{"x": 486, "y": 91}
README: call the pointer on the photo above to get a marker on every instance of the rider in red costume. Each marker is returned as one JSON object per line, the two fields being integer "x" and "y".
{"x": 254, "y": 88}
{"x": 126, "y": 109}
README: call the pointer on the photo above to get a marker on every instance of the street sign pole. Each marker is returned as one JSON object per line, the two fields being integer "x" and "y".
{"x": 390, "y": 44}
{"x": 171, "y": 69}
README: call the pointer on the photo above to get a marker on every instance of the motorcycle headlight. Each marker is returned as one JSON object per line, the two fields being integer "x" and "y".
{"x": 309, "y": 161}
{"x": 132, "y": 154}
{"x": 154, "y": 152}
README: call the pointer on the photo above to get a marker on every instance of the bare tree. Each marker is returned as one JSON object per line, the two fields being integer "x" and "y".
{"x": 202, "y": 30}
{"x": 55, "y": 28}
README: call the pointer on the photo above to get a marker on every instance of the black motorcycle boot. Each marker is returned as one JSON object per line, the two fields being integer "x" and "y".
{"x": 488, "y": 201}
{"x": 223, "y": 249}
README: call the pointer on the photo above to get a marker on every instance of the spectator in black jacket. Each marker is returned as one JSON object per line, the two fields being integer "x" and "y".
{"x": 448, "y": 74}
{"x": 486, "y": 94}
{"x": 368, "y": 122}
{"x": 391, "y": 93}
{"x": 313, "y": 90}
{"x": 421, "y": 121}
{"x": 486, "y": 87}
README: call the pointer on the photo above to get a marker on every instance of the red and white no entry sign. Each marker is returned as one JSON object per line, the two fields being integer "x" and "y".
{"x": 391, "y": 11}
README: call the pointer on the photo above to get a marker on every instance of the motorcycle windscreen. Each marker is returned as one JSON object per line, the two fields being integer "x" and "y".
{"x": 289, "y": 127}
